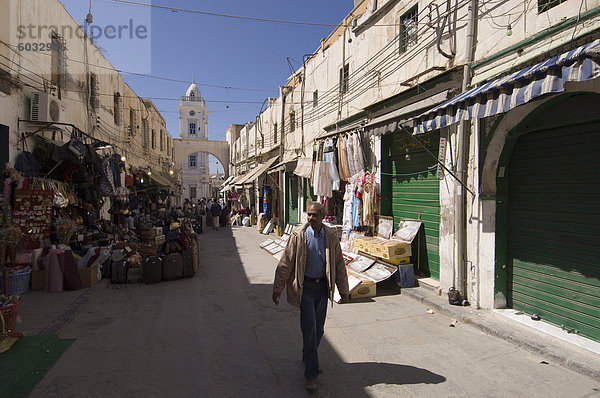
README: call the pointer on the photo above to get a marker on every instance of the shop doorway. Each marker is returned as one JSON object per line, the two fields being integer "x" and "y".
{"x": 415, "y": 193}
{"x": 552, "y": 215}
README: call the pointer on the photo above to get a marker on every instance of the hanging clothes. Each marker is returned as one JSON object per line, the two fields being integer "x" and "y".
{"x": 369, "y": 198}
{"x": 343, "y": 166}
{"x": 348, "y": 196}
{"x": 328, "y": 157}
{"x": 358, "y": 180}
{"x": 355, "y": 211}
{"x": 322, "y": 180}
{"x": 358, "y": 152}
{"x": 336, "y": 161}
{"x": 350, "y": 155}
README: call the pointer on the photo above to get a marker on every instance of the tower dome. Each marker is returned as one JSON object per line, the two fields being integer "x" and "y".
{"x": 193, "y": 92}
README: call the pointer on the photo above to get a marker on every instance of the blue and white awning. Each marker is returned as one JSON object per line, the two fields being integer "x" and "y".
{"x": 518, "y": 88}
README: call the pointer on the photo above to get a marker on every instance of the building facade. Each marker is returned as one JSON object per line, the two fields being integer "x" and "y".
{"x": 476, "y": 120}
{"x": 72, "y": 91}
{"x": 193, "y": 122}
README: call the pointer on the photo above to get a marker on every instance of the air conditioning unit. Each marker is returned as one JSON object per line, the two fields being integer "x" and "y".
{"x": 45, "y": 108}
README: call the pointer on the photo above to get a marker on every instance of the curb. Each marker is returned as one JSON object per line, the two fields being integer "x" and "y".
{"x": 563, "y": 353}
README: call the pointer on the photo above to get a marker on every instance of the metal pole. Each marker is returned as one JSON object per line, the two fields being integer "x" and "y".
{"x": 462, "y": 160}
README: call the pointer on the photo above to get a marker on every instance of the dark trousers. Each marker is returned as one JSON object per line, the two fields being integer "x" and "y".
{"x": 313, "y": 310}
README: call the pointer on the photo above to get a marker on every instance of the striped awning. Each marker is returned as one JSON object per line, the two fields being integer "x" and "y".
{"x": 518, "y": 88}
{"x": 256, "y": 172}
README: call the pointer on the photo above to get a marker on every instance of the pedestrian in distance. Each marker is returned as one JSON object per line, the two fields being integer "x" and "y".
{"x": 215, "y": 210}
{"x": 310, "y": 266}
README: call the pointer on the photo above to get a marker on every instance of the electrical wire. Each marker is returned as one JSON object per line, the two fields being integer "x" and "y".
{"x": 145, "y": 75}
{"x": 216, "y": 14}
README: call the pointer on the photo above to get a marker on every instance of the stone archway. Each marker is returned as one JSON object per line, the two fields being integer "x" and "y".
{"x": 183, "y": 147}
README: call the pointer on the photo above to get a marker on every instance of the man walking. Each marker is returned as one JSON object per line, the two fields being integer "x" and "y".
{"x": 215, "y": 209}
{"x": 311, "y": 265}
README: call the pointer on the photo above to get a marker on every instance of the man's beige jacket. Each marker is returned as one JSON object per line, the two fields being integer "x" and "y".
{"x": 290, "y": 270}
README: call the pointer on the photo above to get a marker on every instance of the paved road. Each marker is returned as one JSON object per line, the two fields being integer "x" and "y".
{"x": 219, "y": 335}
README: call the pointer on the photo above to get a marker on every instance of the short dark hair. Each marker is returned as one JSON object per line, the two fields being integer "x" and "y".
{"x": 319, "y": 206}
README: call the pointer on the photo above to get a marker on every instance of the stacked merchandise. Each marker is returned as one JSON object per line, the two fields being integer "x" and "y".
{"x": 364, "y": 272}
{"x": 395, "y": 251}
{"x": 275, "y": 247}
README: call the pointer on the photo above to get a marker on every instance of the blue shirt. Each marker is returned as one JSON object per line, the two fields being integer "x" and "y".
{"x": 315, "y": 253}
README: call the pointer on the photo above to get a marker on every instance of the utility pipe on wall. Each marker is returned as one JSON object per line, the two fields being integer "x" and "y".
{"x": 462, "y": 160}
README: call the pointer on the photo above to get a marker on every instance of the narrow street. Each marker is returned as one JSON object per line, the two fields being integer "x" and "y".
{"x": 219, "y": 335}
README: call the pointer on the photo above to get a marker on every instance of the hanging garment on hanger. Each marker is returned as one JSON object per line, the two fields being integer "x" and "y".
{"x": 347, "y": 217}
{"x": 368, "y": 204}
{"x": 322, "y": 179}
{"x": 358, "y": 180}
{"x": 349, "y": 155}
{"x": 358, "y": 152}
{"x": 328, "y": 156}
{"x": 343, "y": 166}
{"x": 336, "y": 159}
{"x": 355, "y": 211}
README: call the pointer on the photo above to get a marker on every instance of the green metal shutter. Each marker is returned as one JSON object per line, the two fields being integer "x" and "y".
{"x": 307, "y": 193}
{"x": 554, "y": 227}
{"x": 291, "y": 198}
{"x": 416, "y": 193}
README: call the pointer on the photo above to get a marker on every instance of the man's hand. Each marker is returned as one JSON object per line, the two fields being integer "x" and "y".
{"x": 345, "y": 298}
{"x": 276, "y": 298}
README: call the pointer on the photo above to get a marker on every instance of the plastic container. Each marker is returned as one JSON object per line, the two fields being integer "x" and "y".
{"x": 18, "y": 283}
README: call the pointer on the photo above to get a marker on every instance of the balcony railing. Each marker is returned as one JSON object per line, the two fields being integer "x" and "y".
{"x": 191, "y": 98}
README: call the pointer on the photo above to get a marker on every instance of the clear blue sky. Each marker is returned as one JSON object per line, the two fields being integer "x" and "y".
{"x": 220, "y": 51}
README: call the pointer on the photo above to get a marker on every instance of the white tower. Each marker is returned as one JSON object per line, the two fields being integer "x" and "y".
{"x": 193, "y": 121}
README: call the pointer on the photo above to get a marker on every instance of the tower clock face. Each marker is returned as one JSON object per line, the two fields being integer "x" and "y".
{"x": 192, "y": 113}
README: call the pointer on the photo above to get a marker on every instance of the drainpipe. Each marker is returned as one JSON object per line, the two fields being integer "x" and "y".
{"x": 462, "y": 162}
{"x": 283, "y": 94}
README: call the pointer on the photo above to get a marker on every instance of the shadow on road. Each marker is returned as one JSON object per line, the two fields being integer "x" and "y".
{"x": 215, "y": 335}
{"x": 277, "y": 329}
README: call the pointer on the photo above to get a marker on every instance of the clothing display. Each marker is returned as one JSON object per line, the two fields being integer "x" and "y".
{"x": 322, "y": 179}
{"x": 369, "y": 198}
{"x": 348, "y": 196}
{"x": 343, "y": 183}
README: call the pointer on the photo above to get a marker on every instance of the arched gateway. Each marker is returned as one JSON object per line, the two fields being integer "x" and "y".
{"x": 183, "y": 147}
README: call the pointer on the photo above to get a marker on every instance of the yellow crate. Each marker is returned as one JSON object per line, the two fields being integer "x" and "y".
{"x": 397, "y": 261}
{"x": 365, "y": 289}
{"x": 391, "y": 249}
{"x": 363, "y": 243}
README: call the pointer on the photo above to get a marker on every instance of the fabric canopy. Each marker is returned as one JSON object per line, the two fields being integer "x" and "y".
{"x": 232, "y": 183}
{"x": 518, "y": 88}
{"x": 257, "y": 171}
{"x": 389, "y": 121}
{"x": 160, "y": 180}
{"x": 287, "y": 165}
{"x": 304, "y": 167}
{"x": 224, "y": 184}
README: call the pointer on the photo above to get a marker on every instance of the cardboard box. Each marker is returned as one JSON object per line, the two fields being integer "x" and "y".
{"x": 391, "y": 249}
{"x": 364, "y": 243}
{"x": 397, "y": 261}
{"x": 364, "y": 290}
{"x": 158, "y": 231}
{"x": 160, "y": 239}
{"x": 88, "y": 276}
{"x": 38, "y": 279}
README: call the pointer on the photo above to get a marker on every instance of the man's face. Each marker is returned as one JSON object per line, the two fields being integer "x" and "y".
{"x": 315, "y": 219}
